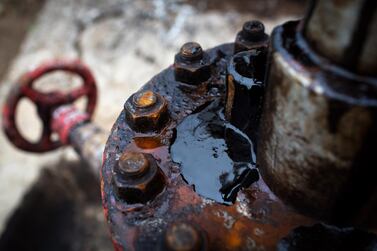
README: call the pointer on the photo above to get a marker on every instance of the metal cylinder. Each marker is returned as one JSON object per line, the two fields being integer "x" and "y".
{"x": 345, "y": 32}
{"x": 73, "y": 127}
{"x": 318, "y": 132}
{"x": 244, "y": 93}
{"x": 89, "y": 140}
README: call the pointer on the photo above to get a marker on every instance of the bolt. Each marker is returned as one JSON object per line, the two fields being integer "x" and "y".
{"x": 137, "y": 178}
{"x": 252, "y": 36}
{"x": 146, "y": 111}
{"x": 133, "y": 164}
{"x": 191, "y": 51}
{"x": 253, "y": 30}
{"x": 144, "y": 99}
{"x": 183, "y": 237}
{"x": 192, "y": 64}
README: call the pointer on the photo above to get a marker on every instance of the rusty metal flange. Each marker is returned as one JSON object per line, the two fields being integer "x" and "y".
{"x": 256, "y": 221}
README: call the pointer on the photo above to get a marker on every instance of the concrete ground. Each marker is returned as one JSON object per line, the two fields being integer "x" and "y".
{"x": 124, "y": 43}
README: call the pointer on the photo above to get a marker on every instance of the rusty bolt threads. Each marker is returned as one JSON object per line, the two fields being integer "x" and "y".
{"x": 192, "y": 64}
{"x": 191, "y": 51}
{"x": 253, "y": 30}
{"x": 144, "y": 99}
{"x": 252, "y": 36}
{"x": 183, "y": 237}
{"x": 133, "y": 164}
{"x": 137, "y": 178}
{"x": 146, "y": 111}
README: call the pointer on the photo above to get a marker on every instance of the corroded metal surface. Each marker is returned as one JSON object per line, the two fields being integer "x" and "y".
{"x": 318, "y": 133}
{"x": 46, "y": 103}
{"x": 245, "y": 89}
{"x": 140, "y": 115}
{"x": 89, "y": 140}
{"x": 256, "y": 221}
{"x": 137, "y": 178}
{"x": 344, "y": 32}
{"x": 316, "y": 149}
{"x": 65, "y": 119}
{"x": 191, "y": 64}
{"x": 252, "y": 36}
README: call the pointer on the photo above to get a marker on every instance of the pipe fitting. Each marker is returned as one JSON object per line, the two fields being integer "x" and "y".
{"x": 318, "y": 133}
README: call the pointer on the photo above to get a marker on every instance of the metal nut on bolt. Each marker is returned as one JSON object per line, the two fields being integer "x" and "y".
{"x": 146, "y": 111}
{"x": 252, "y": 36}
{"x": 137, "y": 178}
{"x": 183, "y": 236}
{"x": 192, "y": 64}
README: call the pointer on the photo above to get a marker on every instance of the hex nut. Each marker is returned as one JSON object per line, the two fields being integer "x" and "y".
{"x": 137, "y": 178}
{"x": 146, "y": 111}
{"x": 192, "y": 64}
{"x": 252, "y": 36}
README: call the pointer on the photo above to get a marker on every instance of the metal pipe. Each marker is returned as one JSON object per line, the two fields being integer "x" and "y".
{"x": 318, "y": 127}
{"x": 344, "y": 32}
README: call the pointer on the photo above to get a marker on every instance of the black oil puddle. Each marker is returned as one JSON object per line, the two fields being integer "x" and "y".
{"x": 215, "y": 157}
{"x": 62, "y": 211}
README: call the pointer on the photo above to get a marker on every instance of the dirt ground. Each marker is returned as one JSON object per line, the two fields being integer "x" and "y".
{"x": 52, "y": 200}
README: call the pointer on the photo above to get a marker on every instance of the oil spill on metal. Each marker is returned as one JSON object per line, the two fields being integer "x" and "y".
{"x": 215, "y": 157}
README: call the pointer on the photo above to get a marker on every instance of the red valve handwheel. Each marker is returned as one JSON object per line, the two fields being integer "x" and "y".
{"x": 46, "y": 103}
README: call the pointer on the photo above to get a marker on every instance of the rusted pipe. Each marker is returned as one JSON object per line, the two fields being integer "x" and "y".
{"x": 319, "y": 120}
{"x": 345, "y": 33}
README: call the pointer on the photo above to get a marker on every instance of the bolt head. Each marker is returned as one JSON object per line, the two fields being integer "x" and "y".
{"x": 191, "y": 64}
{"x": 191, "y": 51}
{"x": 137, "y": 178}
{"x": 144, "y": 99}
{"x": 146, "y": 111}
{"x": 253, "y": 28}
{"x": 182, "y": 237}
{"x": 252, "y": 36}
{"x": 133, "y": 164}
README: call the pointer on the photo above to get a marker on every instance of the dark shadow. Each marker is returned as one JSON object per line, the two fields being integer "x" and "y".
{"x": 321, "y": 237}
{"x": 62, "y": 211}
{"x": 16, "y": 19}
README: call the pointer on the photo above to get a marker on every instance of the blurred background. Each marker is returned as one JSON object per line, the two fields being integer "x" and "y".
{"x": 51, "y": 201}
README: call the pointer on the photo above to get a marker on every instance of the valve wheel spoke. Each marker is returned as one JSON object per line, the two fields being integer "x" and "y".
{"x": 46, "y": 102}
